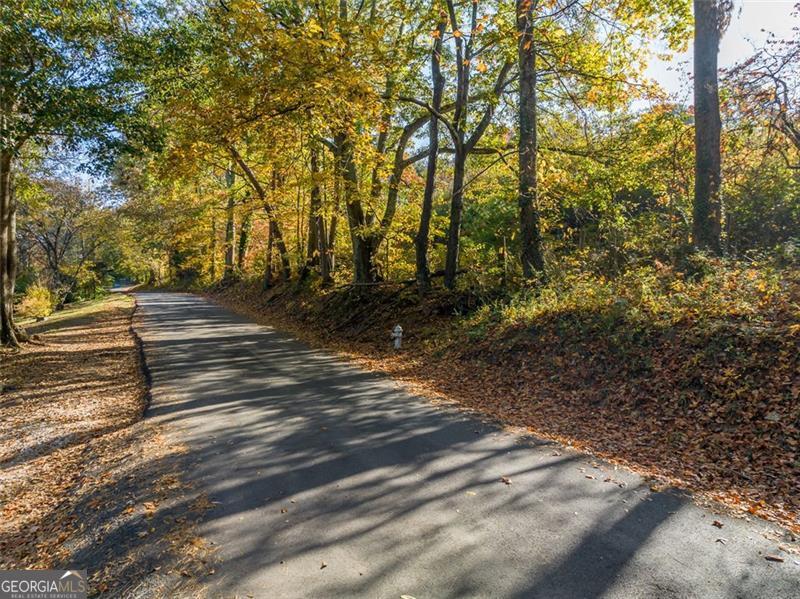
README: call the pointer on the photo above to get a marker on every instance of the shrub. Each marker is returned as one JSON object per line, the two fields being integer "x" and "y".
{"x": 37, "y": 302}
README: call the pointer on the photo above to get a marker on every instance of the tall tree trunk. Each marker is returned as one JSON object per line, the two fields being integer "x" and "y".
{"x": 230, "y": 225}
{"x": 530, "y": 235}
{"x": 299, "y": 232}
{"x": 326, "y": 233}
{"x": 423, "y": 274}
{"x": 7, "y": 330}
{"x": 332, "y": 228}
{"x": 707, "y": 126}
{"x": 213, "y": 247}
{"x": 463, "y": 57}
{"x": 456, "y": 210}
{"x": 317, "y": 234}
{"x": 312, "y": 243}
{"x": 10, "y": 333}
{"x": 364, "y": 270}
{"x": 244, "y": 240}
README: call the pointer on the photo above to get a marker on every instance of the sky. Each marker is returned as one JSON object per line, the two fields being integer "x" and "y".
{"x": 750, "y": 22}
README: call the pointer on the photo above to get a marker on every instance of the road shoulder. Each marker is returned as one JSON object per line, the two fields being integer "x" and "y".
{"x": 85, "y": 481}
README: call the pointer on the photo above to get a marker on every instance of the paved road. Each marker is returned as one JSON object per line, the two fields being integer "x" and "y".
{"x": 313, "y": 462}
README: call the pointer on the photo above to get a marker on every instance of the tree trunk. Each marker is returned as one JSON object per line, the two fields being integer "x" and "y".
{"x": 300, "y": 245}
{"x": 317, "y": 235}
{"x": 7, "y": 330}
{"x": 456, "y": 209}
{"x": 244, "y": 241}
{"x": 230, "y": 225}
{"x": 328, "y": 233}
{"x": 463, "y": 56}
{"x": 213, "y": 247}
{"x": 530, "y": 235}
{"x": 421, "y": 239}
{"x": 332, "y": 228}
{"x": 462, "y": 146}
{"x": 364, "y": 270}
{"x": 312, "y": 243}
{"x": 707, "y": 127}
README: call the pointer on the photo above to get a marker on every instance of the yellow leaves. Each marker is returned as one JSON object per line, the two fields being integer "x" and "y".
{"x": 481, "y": 66}
{"x": 593, "y": 95}
{"x": 313, "y": 27}
{"x": 456, "y": 33}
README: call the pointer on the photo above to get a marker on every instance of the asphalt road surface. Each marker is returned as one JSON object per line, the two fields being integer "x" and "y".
{"x": 330, "y": 481}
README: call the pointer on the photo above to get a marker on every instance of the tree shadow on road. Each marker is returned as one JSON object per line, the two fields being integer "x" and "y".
{"x": 329, "y": 481}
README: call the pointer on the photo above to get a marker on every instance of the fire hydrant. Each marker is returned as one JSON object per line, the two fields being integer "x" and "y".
{"x": 397, "y": 335}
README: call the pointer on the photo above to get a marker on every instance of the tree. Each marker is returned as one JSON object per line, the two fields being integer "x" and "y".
{"x": 230, "y": 223}
{"x": 55, "y": 79}
{"x": 710, "y": 21}
{"x": 330, "y": 105}
{"x": 530, "y": 235}
{"x": 423, "y": 274}
{"x": 466, "y": 54}
{"x": 68, "y": 227}
{"x": 765, "y": 91}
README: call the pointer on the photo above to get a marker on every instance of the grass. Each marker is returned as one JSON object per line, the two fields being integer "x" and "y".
{"x": 77, "y": 310}
{"x": 649, "y": 298}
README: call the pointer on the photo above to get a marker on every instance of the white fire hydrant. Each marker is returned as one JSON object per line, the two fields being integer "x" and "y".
{"x": 397, "y": 335}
